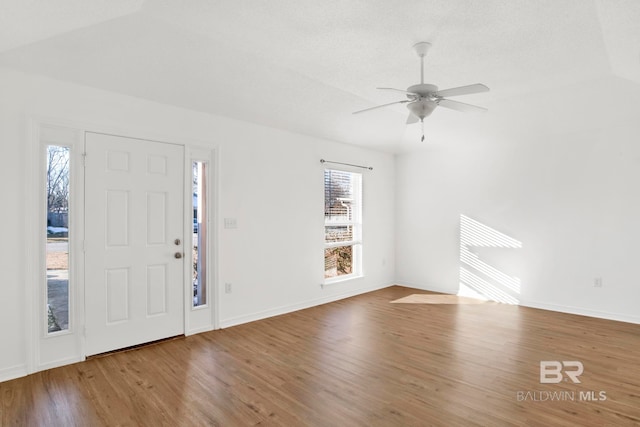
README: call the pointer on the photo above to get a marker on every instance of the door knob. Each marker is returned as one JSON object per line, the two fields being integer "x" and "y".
{"x": 178, "y": 255}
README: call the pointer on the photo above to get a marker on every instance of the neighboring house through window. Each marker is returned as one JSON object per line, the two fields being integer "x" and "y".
{"x": 342, "y": 225}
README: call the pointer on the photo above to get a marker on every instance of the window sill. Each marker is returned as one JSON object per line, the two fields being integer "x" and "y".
{"x": 342, "y": 279}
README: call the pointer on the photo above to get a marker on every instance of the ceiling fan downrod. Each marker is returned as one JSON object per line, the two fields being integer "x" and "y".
{"x": 421, "y": 49}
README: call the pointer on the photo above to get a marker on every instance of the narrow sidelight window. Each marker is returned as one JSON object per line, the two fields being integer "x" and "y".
{"x": 200, "y": 233}
{"x": 57, "y": 236}
{"x": 342, "y": 224}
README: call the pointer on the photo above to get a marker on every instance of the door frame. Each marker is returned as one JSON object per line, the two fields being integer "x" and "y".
{"x": 43, "y": 350}
{"x": 205, "y": 317}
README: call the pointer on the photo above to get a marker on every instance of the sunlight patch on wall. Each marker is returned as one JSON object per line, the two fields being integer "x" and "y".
{"x": 477, "y": 278}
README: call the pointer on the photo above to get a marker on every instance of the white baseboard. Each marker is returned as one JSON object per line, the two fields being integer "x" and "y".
{"x": 59, "y": 362}
{"x": 581, "y": 311}
{"x": 536, "y": 304}
{"x": 13, "y": 372}
{"x": 225, "y": 323}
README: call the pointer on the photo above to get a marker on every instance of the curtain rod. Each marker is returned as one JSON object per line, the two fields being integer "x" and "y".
{"x": 346, "y": 164}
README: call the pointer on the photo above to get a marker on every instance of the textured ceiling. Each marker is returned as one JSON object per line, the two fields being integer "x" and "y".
{"x": 28, "y": 21}
{"x": 306, "y": 65}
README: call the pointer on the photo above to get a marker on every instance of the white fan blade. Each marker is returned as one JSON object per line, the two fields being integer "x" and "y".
{"x": 380, "y": 106}
{"x": 463, "y": 90}
{"x": 412, "y": 119}
{"x": 460, "y": 106}
{"x": 397, "y": 90}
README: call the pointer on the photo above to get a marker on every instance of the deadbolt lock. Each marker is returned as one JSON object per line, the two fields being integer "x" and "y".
{"x": 177, "y": 242}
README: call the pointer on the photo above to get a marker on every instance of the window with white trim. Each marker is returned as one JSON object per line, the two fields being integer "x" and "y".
{"x": 342, "y": 224}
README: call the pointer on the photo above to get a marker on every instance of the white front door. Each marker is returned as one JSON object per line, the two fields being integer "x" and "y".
{"x": 134, "y": 242}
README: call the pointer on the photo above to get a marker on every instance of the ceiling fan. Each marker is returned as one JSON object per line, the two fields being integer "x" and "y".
{"x": 423, "y": 98}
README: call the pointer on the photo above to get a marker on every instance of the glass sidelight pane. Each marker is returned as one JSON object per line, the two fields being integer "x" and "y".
{"x": 57, "y": 253}
{"x": 200, "y": 232}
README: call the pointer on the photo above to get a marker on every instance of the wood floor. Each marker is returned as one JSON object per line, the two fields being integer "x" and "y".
{"x": 362, "y": 361}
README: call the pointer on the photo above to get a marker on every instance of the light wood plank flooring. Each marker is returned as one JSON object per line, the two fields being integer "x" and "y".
{"x": 362, "y": 361}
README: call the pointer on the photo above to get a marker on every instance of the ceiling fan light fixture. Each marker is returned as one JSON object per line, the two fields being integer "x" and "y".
{"x": 422, "y": 108}
{"x": 422, "y": 48}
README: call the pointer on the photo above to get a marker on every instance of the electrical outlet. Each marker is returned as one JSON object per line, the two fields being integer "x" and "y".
{"x": 227, "y": 288}
{"x": 597, "y": 282}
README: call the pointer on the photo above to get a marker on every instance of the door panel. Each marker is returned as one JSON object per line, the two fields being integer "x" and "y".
{"x": 134, "y": 214}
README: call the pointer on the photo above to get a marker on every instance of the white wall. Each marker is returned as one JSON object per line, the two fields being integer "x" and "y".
{"x": 12, "y": 250}
{"x": 558, "y": 171}
{"x": 274, "y": 259}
